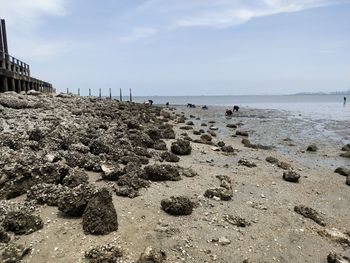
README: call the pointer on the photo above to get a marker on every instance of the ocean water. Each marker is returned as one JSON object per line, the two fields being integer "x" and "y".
{"x": 330, "y": 107}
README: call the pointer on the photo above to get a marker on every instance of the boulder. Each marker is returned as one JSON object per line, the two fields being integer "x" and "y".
{"x": 160, "y": 145}
{"x": 227, "y": 149}
{"x": 310, "y": 213}
{"x": 206, "y": 137}
{"x": 164, "y": 172}
{"x": 170, "y": 157}
{"x": 180, "y": 205}
{"x": 242, "y": 133}
{"x": 291, "y": 176}
{"x": 22, "y": 223}
{"x": 46, "y": 193}
{"x": 100, "y": 216}
{"x": 190, "y": 123}
{"x": 75, "y": 178}
{"x": 111, "y": 173}
{"x": 181, "y": 147}
{"x": 246, "y": 163}
{"x": 231, "y": 125}
{"x": 104, "y": 254}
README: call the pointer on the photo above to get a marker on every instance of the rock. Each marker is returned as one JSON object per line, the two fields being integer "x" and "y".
{"x": 170, "y": 157}
{"x": 97, "y": 147}
{"x": 242, "y": 133}
{"x": 181, "y": 119}
{"x": 231, "y": 125}
{"x": 74, "y": 201}
{"x": 188, "y": 127}
{"x": 204, "y": 124}
{"x": 190, "y": 123}
{"x": 215, "y": 149}
{"x": 335, "y": 258}
{"x": 100, "y": 217}
{"x": 111, "y": 173}
{"x": 346, "y": 147}
{"x": 345, "y": 155}
{"x": 212, "y": 133}
{"x": 4, "y": 237}
{"x": 246, "y": 163}
{"x": 22, "y": 223}
{"x": 343, "y": 171}
{"x": 151, "y": 255}
{"x": 221, "y": 193}
{"x": 181, "y": 147}
{"x": 206, "y": 137}
{"x": 195, "y": 132}
{"x": 291, "y": 176}
{"x": 130, "y": 184}
{"x": 180, "y": 205}
{"x": 227, "y": 149}
{"x": 312, "y": 148}
{"x": 14, "y": 253}
{"x": 310, "y": 213}
{"x": 14, "y": 101}
{"x": 188, "y": 172}
{"x": 104, "y": 254}
{"x": 223, "y": 241}
{"x": 271, "y": 159}
{"x": 75, "y": 178}
{"x": 160, "y": 145}
{"x": 348, "y": 180}
{"x": 213, "y": 128}
{"x": 36, "y": 135}
{"x": 164, "y": 172}
{"x": 46, "y": 193}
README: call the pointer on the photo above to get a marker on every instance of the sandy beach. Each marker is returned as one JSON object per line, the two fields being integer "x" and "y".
{"x": 241, "y": 204}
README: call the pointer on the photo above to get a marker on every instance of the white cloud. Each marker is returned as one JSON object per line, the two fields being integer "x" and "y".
{"x": 23, "y": 21}
{"x": 161, "y": 16}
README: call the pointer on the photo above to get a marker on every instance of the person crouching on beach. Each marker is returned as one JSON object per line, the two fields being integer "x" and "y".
{"x": 228, "y": 112}
{"x": 235, "y": 108}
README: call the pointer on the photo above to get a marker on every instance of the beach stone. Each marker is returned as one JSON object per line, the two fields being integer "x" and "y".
{"x": 164, "y": 172}
{"x": 348, "y": 180}
{"x": 220, "y": 144}
{"x": 206, "y": 137}
{"x": 160, "y": 145}
{"x": 335, "y": 258}
{"x": 151, "y": 255}
{"x": 22, "y": 223}
{"x": 335, "y": 235}
{"x": 154, "y": 133}
{"x": 211, "y": 122}
{"x": 170, "y": 157}
{"x": 213, "y": 128}
{"x": 236, "y": 221}
{"x": 221, "y": 193}
{"x": 291, "y": 176}
{"x": 312, "y": 148}
{"x": 181, "y": 119}
{"x": 271, "y": 159}
{"x": 246, "y": 163}
{"x": 188, "y": 127}
{"x": 346, "y": 154}
{"x": 212, "y": 133}
{"x": 181, "y": 147}
{"x": 246, "y": 142}
{"x": 190, "y": 123}
{"x": 231, "y": 125}
{"x": 46, "y": 193}
{"x": 204, "y": 124}
{"x": 195, "y": 132}
{"x": 104, "y": 254}
{"x": 36, "y": 135}
{"x": 346, "y": 147}
{"x": 100, "y": 217}
{"x": 227, "y": 149}
{"x": 343, "y": 171}
{"x": 4, "y": 237}
{"x": 74, "y": 201}
{"x": 97, "y": 147}
{"x": 13, "y": 253}
{"x": 179, "y": 205}
{"x": 168, "y": 133}
{"x": 310, "y": 213}
{"x": 112, "y": 173}
{"x": 223, "y": 241}
{"x": 188, "y": 172}
{"x": 242, "y": 133}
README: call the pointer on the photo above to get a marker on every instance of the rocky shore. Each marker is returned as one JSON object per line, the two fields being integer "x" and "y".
{"x": 89, "y": 180}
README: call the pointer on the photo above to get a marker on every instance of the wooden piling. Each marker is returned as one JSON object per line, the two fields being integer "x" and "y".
{"x": 120, "y": 95}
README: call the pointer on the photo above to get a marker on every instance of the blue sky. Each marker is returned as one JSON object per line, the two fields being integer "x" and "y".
{"x": 183, "y": 47}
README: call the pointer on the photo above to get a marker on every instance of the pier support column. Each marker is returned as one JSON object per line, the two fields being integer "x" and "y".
{"x": 19, "y": 85}
{"x": 12, "y": 85}
{"x": 4, "y": 84}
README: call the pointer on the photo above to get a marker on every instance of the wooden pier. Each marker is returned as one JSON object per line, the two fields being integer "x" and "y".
{"x": 15, "y": 74}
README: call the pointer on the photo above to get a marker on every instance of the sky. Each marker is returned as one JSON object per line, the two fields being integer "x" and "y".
{"x": 183, "y": 47}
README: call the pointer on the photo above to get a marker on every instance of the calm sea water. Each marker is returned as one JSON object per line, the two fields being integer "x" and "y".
{"x": 314, "y": 106}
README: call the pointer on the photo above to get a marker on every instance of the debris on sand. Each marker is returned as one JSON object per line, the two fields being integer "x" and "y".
{"x": 104, "y": 254}
{"x": 291, "y": 176}
{"x": 271, "y": 159}
{"x": 224, "y": 192}
{"x": 151, "y": 255}
{"x": 236, "y": 221}
{"x": 310, "y": 213}
{"x": 336, "y": 258}
{"x": 100, "y": 217}
{"x": 179, "y": 205}
{"x": 335, "y": 235}
{"x": 246, "y": 163}
{"x": 22, "y": 223}
{"x": 181, "y": 147}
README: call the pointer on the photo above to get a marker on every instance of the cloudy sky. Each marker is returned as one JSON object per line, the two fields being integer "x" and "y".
{"x": 183, "y": 47}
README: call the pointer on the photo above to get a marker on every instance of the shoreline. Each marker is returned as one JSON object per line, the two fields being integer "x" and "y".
{"x": 272, "y": 232}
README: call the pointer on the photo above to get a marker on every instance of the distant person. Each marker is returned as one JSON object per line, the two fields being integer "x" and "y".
{"x": 150, "y": 102}
{"x": 235, "y": 108}
{"x": 190, "y": 105}
{"x": 344, "y": 101}
{"x": 167, "y": 104}
{"x": 228, "y": 112}
{"x": 205, "y": 107}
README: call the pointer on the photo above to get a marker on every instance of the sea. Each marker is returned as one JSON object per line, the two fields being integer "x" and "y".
{"x": 328, "y": 107}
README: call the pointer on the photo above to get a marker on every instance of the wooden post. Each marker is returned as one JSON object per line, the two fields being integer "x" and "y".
{"x": 78, "y": 91}
{"x": 67, "y": 90}
{"x": 130, "y": 96}
{"x": 120, "y": 95}
{"x": 100, "y": 95}
{"x": 110, "y": 93}
{"x": 89, "y": 92}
